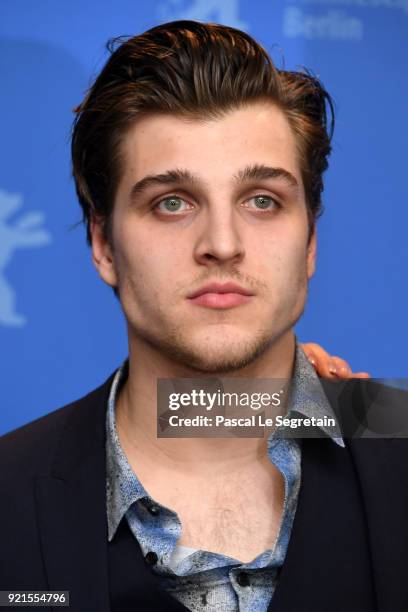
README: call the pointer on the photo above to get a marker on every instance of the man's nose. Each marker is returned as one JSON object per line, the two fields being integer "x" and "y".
{"x": 219, "y": 237}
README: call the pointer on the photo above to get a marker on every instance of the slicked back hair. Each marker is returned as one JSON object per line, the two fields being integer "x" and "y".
{"x": 197, "y": 70}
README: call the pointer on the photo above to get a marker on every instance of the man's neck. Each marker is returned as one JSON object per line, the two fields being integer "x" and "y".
{"x": 136, "y": 412}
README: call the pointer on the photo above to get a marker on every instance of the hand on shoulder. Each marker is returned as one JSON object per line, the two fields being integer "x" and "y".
{"x": 329, "y": 366}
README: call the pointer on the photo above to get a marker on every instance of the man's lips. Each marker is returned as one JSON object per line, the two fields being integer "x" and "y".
{"x": 221, "y": 288}
{"x": 217, "y": 295}
{"x": 221, "y": 300}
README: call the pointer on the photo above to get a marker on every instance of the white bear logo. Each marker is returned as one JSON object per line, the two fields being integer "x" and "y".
{"x": 24, "y": 232}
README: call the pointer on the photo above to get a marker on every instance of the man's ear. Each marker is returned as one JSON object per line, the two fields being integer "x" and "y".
{"x": 102, "y": 256}
{"x": 311, "y": 252}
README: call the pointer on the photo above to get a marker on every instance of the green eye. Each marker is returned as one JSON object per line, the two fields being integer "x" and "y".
{"x": 172, "y": 203}
{"x": 263, "y": 201}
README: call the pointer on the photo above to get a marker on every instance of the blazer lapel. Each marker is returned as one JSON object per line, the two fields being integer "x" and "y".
{"x": 327, "y": 565}
{"x": 71, "y": 506}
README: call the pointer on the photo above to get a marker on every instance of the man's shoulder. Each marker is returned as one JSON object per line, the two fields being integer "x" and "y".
{"x": 369, "y": 408}
{"x": 32, "y": 446}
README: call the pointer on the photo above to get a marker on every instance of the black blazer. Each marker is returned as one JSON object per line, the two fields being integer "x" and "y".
{"x": 348, "y": 549}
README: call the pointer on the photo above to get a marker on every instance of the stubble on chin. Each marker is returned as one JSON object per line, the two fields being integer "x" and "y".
{"x": 207, "y": 359}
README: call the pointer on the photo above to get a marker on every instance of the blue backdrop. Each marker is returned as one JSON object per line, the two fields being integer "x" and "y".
{"x": 61, "y": 329}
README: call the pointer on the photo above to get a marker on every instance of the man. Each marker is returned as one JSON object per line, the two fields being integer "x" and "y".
{"x": 198, "y": 166}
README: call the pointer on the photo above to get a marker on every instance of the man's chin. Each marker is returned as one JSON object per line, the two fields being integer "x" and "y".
{"x": 212, "y": 359}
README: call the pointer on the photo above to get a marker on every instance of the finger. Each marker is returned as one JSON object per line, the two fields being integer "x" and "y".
{"x": 360, "y": 375}
{"x": 324, "y": 364}
{"x": 339, "y": 367}
{"x": 315, "y": 353}
{"x": 311, "y": 357}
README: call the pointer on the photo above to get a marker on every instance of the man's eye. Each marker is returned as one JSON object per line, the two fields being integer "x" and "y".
{"x": 171, "y": 204}
{"x": 174, "y": 204}
{"x": 264, "y": 202}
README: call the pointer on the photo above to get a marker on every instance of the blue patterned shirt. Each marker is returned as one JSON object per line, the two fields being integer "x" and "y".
{"x": 199, "y": 579}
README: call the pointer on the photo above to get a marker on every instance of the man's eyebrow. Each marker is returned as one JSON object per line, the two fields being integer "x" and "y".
{"x": 170, "y": 177}
{"x": 249, "y": 173}
{"x": 262, "y": 172}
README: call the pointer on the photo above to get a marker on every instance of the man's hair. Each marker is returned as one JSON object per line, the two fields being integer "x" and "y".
{"x": 196, "y": 70}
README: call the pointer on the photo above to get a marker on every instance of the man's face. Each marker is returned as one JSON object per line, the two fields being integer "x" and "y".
{"x": 220, "y": 215}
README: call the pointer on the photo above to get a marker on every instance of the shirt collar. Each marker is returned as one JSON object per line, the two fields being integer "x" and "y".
{"x": 308, "y": 397}
{"x": 123, "y": 488}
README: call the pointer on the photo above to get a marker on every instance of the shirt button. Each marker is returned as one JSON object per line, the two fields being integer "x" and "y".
{"x": 243, "y": 579}
{"x": 155, "y": 510}
{"x": 151, "y": 557}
